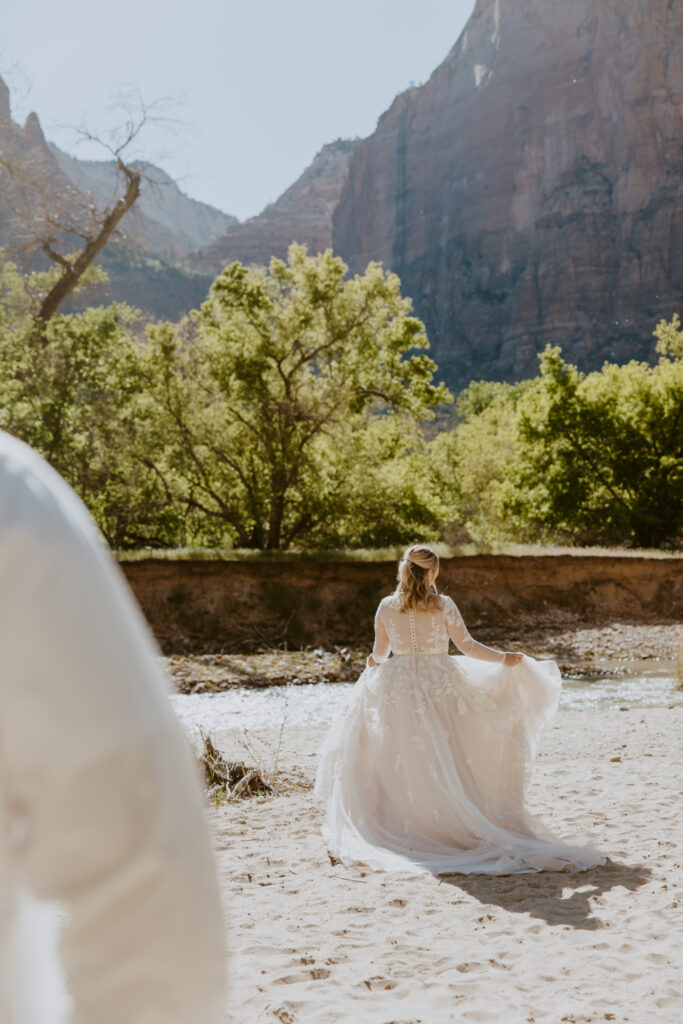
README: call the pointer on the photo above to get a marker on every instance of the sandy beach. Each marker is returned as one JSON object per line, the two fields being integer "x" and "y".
{"x": 317, "y": 943}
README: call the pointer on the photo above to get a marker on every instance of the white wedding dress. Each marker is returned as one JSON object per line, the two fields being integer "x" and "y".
{"x": 425, "y": 769}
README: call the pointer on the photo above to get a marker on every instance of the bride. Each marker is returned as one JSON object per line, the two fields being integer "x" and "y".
{"x": 425, "y": 770}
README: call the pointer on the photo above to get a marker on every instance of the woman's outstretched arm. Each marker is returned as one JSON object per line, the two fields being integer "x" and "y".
{"x": 459, "y": 634}
{"x": 382, "y": 646}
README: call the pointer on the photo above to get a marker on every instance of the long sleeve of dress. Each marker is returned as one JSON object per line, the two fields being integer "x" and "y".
{"x": 100, "y": 809}
{"x": 457, "y": 631}
{"x": 382, "y": 646}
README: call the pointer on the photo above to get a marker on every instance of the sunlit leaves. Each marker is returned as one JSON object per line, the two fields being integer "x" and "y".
{"x": 274, "y": 399}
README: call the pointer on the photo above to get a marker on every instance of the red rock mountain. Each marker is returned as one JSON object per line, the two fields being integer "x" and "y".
{"x": 302, "y": 214}
{"x": 532, "y": 190}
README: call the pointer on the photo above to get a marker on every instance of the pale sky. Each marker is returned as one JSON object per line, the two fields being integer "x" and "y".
{"x": 260, "y": 85}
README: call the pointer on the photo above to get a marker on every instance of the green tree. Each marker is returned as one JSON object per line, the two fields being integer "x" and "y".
{"x": 74, "y": 389}
{"x": 472, "y": 464}
{"x": 376, "y": 485}
{"x": 278, "y": 382}
{"x": 601, "y": 454}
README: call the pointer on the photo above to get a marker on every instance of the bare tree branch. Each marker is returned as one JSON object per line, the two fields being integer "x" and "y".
{"x": 51, "y": 217}
{"x": 73, "y": 272}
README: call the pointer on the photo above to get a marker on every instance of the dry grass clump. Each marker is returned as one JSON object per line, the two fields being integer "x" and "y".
{"x": 230, "y": 780}
{"x": 259, "y": 775}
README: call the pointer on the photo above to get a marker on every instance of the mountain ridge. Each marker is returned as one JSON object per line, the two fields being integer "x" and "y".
{"x": 144, "y": 261}
{"x": 174, "y": 223}
{"x": 303, "y": 213}
{"x": 530, "y": 191}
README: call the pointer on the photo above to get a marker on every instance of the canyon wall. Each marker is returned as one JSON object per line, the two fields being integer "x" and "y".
{"x": 532, "y": 190}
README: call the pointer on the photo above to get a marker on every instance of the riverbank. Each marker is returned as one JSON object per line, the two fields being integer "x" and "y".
{"x": 582, "y": 650}
{"x": 221, "y": 606}
{"x": 317, "y": 943}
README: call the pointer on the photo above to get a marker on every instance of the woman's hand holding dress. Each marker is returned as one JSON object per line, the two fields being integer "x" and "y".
{"x": 512, "y": 658}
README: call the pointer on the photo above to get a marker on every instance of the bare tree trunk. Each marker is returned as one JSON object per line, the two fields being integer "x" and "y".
{"x": 73, "y": 272}
{"x": 277, "y": 511}
{"x": 47, "y": 213}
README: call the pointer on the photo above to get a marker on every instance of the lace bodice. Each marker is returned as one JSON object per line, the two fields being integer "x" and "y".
{"x": 419, "y": 632}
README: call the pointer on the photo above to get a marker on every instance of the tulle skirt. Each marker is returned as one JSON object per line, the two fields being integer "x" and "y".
{"x": 425, "y": 769}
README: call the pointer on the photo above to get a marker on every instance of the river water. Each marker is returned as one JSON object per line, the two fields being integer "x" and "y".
{"x": 319, "y": 703}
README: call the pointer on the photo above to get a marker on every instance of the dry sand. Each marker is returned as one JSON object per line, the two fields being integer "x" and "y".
{"x": 314, "y": 943}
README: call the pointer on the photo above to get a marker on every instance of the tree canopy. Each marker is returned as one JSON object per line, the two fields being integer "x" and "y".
{"x": 583, "y": 458}
{"x": 276, "y": 388}
{"x": 285, "y": 411}
{"x": 290, "y": 411}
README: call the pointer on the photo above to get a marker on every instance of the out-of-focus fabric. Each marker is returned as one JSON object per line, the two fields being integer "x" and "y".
{"x": 100, "y": 809}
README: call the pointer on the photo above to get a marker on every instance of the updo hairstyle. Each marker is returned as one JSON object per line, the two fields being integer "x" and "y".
{"x": 413, "y": 591}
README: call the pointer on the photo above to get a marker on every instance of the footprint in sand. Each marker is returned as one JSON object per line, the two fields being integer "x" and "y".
{"x": 319, "y": 973}
{"x": 284, "y": 1015}
{"x": 481, "y": 1016}
{"x": 469, "y": 967}
{"x": 315, "y": 974}
{"x": 378, "y": 982}
{"x": 657, "y": 958}
{"x": 267, "y": 951}
{"x": 671, "y": 998}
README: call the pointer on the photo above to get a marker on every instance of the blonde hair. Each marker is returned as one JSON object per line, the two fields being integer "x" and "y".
{"x": 413, "y": 591}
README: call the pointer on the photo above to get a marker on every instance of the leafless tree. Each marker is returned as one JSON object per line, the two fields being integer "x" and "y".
{"x": 49, "y": 215}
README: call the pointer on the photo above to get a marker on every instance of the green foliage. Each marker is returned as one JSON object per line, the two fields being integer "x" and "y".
{"x": 669, "y": 338}
{"x": 375, "y": 490}
{"x": 601, "y": 455}
{"x": 288, "y": 395}
{"x": 290, "y": 411}
{"x": 570, "y": 457}
{"x": 75, "y": 391}
{"x": 284, "y": 412}
{"x": 472, "y": 464}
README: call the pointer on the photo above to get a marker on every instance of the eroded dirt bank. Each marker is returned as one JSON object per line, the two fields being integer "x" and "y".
{"x": 249, "y": 605}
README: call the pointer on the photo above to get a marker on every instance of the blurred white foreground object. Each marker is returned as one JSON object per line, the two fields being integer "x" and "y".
{"x": 100, "y": 810}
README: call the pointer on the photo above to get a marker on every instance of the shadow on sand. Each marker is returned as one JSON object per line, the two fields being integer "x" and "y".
{"x": 543, "y": 895}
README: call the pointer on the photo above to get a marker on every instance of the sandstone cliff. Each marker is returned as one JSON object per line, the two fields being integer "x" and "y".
{"x": 302, "y": 214}
{"x": 532, "y": 190}
{"x": 27, "y": 166}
